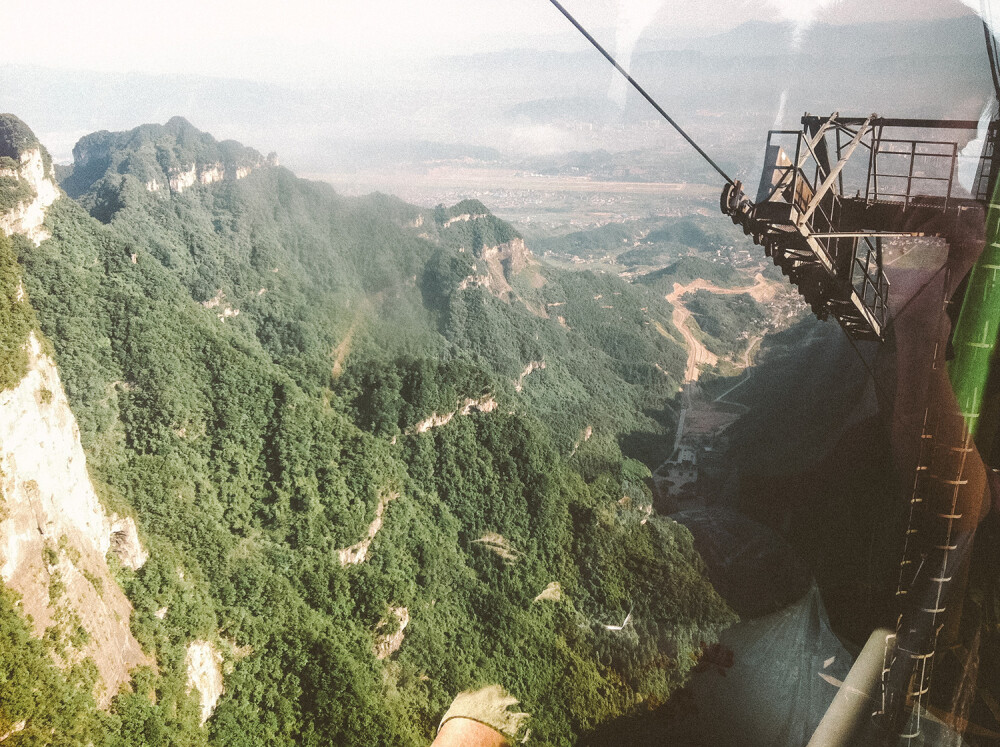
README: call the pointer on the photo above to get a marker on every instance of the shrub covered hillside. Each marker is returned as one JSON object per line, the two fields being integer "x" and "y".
{"x": 333, "y": 415}
{"x": 323, "y": 283}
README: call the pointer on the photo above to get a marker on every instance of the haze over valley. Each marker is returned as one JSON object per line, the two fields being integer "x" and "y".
{"x": 350, "y": 381}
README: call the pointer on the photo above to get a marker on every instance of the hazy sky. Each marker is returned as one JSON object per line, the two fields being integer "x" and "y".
{"x": 308, "y": 40}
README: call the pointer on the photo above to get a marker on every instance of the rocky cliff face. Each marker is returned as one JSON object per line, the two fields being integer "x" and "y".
{"x": 179, "y": 179}
{"x": 204, "y": 674}
{"x": 505, "y": 261}
{"x": 28, "y": 215}
{"x": 54, "y": 533}
{"x": 166, "y": 159}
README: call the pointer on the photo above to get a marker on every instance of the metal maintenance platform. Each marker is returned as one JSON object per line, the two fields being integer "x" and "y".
{"x": 821, "y": 215}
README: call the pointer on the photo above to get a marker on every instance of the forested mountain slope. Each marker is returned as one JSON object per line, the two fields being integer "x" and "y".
{"x": 324, "y": 282}
{"x": 267, "y": 376}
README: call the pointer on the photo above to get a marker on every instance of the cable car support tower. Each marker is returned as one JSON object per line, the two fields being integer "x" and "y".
{"x": 829, "y": 195}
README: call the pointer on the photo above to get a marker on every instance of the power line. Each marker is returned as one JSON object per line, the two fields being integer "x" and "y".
{"x": 640, "y": 89}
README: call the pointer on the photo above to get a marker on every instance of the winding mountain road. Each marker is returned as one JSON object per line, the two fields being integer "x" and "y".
{"x": 698, "y": 354}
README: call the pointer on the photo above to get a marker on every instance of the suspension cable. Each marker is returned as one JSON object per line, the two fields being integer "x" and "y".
{"x": 870, "y": 371}
{"x": 640, "y": 89}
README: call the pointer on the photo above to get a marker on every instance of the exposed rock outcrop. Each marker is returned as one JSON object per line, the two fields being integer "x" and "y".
{"x": 528, "y": 370}
{"x": 500, "y": 545}
{"x": 500, "y": 253}
{"x": 125, "y": 543}
{"x": 503, "y": 262}
{"x": 357, "y": 552}
{"x": 485, "y": 403}
{"x": 389, "y": 632}
{"x": 219, "y": 302}
{"x": 474, "y": 281}
{"x": 464, "y": 217}
{"x": 179, "y": 179}
{"x": 185, "y": 177}
{"x": 215, "y": 172}
{"x": 28, "y": 215}
{"x": 204, "y": 674}
{"x": 15, "y": 729}
{"x": 551, "y": 593}
{"x": 54, "y": 534}
{"x": 166, "y": 159}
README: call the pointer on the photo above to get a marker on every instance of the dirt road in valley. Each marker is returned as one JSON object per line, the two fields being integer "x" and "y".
{"x": 698, "y": 354}
{"x": 703, "y": 414}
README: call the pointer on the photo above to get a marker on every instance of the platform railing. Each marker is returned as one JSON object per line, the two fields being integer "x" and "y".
{"x": 905, "y": 170}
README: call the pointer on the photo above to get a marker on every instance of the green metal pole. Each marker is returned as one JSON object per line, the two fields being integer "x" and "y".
{"x": 976, "y": 331}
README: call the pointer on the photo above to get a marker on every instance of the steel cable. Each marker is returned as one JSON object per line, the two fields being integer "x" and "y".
{"x": 641, "y": 90}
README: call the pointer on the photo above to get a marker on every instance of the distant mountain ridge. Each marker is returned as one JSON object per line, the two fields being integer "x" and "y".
{"x": 444, "y": 276}
{"x": 348, "y": 123}
{"x": 938, "y": 37}
{"x": 171, "y": 157}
